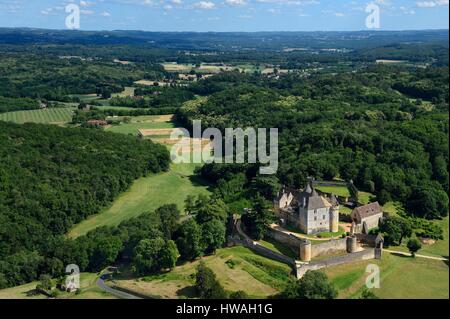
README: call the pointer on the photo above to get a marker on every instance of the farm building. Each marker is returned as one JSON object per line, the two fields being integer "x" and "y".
{"x": 366, "y": 217}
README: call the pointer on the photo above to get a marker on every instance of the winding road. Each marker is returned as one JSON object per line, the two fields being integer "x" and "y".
{"x": 118, "y": 293}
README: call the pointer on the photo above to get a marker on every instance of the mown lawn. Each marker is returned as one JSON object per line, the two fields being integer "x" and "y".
{"x": 237, "y": 268}
{"x": 400, "y": 277}
{"x": 147, "y": 194}
{"x": 43, "y": 116}
{"x": 336, "y": 190}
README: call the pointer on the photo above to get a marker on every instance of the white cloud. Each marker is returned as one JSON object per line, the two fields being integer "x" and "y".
{"x": 105, "y": 14}
{"x": 235, "y": 2}
{"x": 205, "y": 5}
{"x": 431, "y": 4}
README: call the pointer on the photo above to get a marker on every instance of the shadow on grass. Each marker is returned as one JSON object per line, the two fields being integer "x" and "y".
{"x": 188, "y": 292}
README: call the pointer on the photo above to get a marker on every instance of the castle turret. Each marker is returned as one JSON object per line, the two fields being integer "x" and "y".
{"x": 305, "y": 251}
{"x": 352, "y": 244}
{"x": 334, "y": 219}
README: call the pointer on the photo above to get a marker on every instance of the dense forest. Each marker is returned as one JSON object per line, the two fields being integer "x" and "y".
{"x": 52, "y": 178}
{"x": 371, "y": 127}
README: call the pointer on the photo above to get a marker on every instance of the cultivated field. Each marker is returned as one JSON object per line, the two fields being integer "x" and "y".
{"x": 237, "y": 268}
{"x": 44, "y": 116}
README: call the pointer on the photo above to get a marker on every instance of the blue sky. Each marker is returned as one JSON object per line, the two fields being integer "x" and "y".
{"x": 226, "y": 15}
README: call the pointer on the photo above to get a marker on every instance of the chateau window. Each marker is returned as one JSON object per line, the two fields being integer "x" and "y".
{"x": 315, "y": 218}
{"x": 324, "y": 217}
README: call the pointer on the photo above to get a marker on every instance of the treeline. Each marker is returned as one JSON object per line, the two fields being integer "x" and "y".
{"x": 150, "y": 243}
{"x": 52, "y": 178}
{"x": 164, "y": 97}
{"x": 76, "y": 75}
{"x": 10, "y": 104}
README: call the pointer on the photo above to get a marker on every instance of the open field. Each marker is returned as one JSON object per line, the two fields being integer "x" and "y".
{"x": 44, "y": 116}
{"x": 147, "y": 122}
{"x": 86, "y": 97}
{"x": 147, "y": 194}
{"x": 118, "y": 108}
{"x": 175, "y": 67}
{"x": 88, "y": 285}
{"x": 237, "y": 268}
{"x": 400, "y": 277}
{"x": 128, "y": 91}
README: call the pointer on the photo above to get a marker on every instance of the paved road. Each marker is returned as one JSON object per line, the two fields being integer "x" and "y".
{"x": 417, "y": 255}
{"x": 118, "y": 293}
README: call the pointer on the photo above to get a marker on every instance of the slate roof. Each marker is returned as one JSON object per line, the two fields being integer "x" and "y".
{"x": 368, "y": 210}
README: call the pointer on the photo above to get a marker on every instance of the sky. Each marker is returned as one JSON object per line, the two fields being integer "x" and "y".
{"x": 227, "y": 15}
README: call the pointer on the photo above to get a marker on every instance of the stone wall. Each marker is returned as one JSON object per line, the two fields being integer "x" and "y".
{"x": 326, "y": 248}
{"x": 291, "y": 241}
{"x": 329, "y": 247}
{"x": 370, "y": 253}
{"x": 258, "y": 248}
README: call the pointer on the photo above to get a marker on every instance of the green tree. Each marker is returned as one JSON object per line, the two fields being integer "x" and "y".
{"x": 428, "y": 202}
{"x": 105, "y": 252}
{"x": 214, "y": 209}
{"x": 391, "y": 230}
{"x": 267, "y": 186}
{"x": 313, "y": 285}
{"x": 207, "y": 285}
{"x": 45, "y": 282}
{"x": 414, "y": 245}
{"x": 168, "y": 255}
{"x": 368, "y": 294}
{"x": 257, "y": 220}
{"x": 189, "y": 204}
{"x": 189, "y": 241}
{"x": 240, "y": 294}
{"x": 3, "y": 281}
{"x": 213, "y": 235}
{"x": 146, "y": 255}
{"x": 169, "y": 215}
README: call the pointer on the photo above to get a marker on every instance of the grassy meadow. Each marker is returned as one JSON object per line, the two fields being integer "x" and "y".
{"x": 237, "y": 268}
{"x": 44, "y": 116}
{"x": 400, "y": 277}
{"x": 88, "y": 290}
{"x": 147, "y": 193}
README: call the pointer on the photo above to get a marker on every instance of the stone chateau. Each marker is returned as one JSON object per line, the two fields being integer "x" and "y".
{"x": 307, "y": 210}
